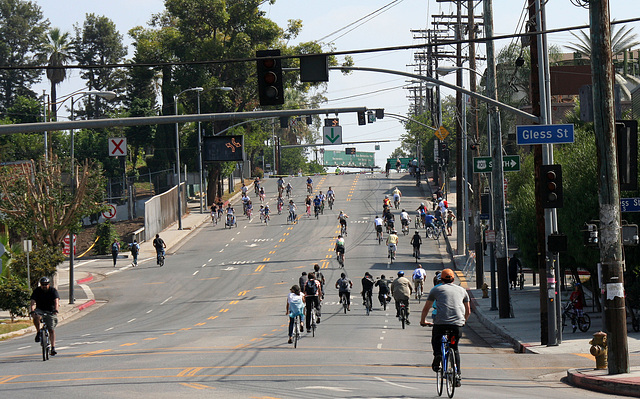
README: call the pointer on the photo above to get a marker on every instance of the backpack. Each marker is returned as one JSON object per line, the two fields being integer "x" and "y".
{"x": 114, "y": 247}
{"x": 311, "y": 288}
{"x": 135, "y": 248}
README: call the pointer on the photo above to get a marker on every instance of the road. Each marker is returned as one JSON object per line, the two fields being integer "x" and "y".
{"x": 212, "y": 321}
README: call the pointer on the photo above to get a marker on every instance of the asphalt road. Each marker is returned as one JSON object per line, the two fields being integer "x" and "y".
{"x": 212, "y": 321}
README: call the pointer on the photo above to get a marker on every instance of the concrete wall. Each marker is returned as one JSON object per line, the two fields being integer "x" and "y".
{"x": 161, "y": 210}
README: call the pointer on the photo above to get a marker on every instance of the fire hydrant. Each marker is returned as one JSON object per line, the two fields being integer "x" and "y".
{"x": 485, "y": 290}
{"x": 599, "y": 349}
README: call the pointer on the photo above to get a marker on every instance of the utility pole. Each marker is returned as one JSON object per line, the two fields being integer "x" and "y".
{"x": 497, "y": 175}
{"x": 460, "y": 130}
{"x": 609, "y": 195}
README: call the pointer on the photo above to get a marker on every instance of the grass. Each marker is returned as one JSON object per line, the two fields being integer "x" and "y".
{"x": 6, "y": 326}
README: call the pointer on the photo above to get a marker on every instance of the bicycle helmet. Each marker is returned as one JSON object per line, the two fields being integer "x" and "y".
{"x": 44, "y": 280}
{"x": 400, "y": 273}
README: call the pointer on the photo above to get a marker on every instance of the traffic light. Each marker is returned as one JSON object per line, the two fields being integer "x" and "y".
{"x": 350, "y": 150}
{"x": 590, "y": 235}
{"x": 551, "y": 186}
{"x": 380, "y": 113}
{"x": 270, "y": 89}
{"x": 362, "y": 120}
{"x": 371, "y": 117}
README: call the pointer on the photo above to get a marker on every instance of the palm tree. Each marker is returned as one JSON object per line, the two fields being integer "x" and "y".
{"x": 58, "y": 48}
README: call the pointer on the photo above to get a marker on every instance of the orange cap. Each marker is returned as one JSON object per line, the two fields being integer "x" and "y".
{"x": 447, "y": 275}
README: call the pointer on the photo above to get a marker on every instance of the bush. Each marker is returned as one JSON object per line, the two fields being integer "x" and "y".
{"x": 258, "y": 172}
{"x": 14, "y": 296}
{"x": 106, "y": 233}
{"x": 43, "y": 261}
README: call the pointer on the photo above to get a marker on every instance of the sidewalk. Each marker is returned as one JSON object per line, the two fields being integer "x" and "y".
{"x": 86, "y": 270}
{"x": 523, "y": 330}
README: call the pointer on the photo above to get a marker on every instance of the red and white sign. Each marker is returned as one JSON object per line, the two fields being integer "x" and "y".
{"x": 490, "y": 235}
{"x": 66, "y": 241}
{"x": 117, "y": 146}
{"x": 109, "y": 213}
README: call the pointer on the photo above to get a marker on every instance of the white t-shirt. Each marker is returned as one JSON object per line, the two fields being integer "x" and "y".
{"x": 404, "y": 215}
{"x": 419, "y": 273}
{"x": 377, "y": 221}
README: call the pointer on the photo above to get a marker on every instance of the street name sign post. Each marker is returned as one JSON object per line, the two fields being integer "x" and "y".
{"x": 544, "y": 134}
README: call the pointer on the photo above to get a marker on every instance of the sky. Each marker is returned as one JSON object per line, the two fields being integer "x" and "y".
{"x": 389, "y": 27}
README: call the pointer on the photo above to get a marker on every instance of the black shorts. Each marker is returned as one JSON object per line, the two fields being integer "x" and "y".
{"x": 379, "y": 229}
{"x": 340, "y": 250}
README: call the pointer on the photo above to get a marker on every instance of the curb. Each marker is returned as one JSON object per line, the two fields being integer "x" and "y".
{"x": 85, "y": 280}
{"x": 613, "y": 386}
{"x": 86, "y": 305}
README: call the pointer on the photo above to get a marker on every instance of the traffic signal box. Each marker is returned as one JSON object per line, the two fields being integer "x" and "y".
{"x": 362, "y": 119}
{"x": 551, "y": 186}
{"x": 270, "y": 89}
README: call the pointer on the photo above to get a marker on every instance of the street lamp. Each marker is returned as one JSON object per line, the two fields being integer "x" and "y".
{"x": 109, "y": 95}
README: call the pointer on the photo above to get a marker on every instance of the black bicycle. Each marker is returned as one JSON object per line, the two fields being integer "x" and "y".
{"x": 296, "y": 330}
{"x": 330, "y": 200}
{"x": 160, "y": 259}
{"x": 343, "y": 229}
{"x": 343, "y": 300}
{"x": 313, "y": 321}
{"x": 582, "y": 322}
{"x": 368, "y": 303}
{"x": 404, "y": 318}
{"x": 340, "y": 258}
{"x": 45, "y": 342}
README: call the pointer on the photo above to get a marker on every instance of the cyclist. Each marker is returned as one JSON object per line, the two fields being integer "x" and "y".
{"x": 256, "y": 183}
{"x": 577, "y": 298}
{"x": 307, "y": 202}
{"x": 45, "y": 299}
{"x": 309, "y": 184}
{"x": 244, "y": 189}
{"x": 404, "y": 219}
{"x": 280, "y": 204}
{"x": 159, "y": 245}
{"x": 295, "y": 307}
{"x": 331, "y": 195}
{"x": 249, "y": 209}
{"x": 344, "y": 286}
{"x": 416, "y": 241}
{"x": 387, "y": 168}
{"x": 429, "y": 221}
{"x": 367, "y": 288}
{"x": 342, "y": 217}
{"x": 401, "y": 291}
{"x": 220, "y": 207}
{"x": 312, "y": 293}
{"x": 386, "y": 201}
{"x": 280, "y": 185}
{"x": 289, "y": 189}
{"x": 390, "y": 221}
{"x": 292, "y": 210}
{"x": 262, "y": 214}
{"x": 231, "y": 218}
{"x": 262, "y": 194}
{"x": 383, "y": 290}
{"x": 214, "y": 212}
{"x": 245, "y": 200}
{"x": 377, "y": 222}
{"x": 398, "y": 164}
{"x": 396, "y": 195}
{"x": 339, "y": 248}
{"x": 422, "y": 208}
{"x": 419, "y": 275}
{"x": 453, "y": 312}
{"x": 319, "y": 277}
{"x": 392, "y": 242}
{"x": 322, "y": 198}
{"x": 316, "y": 205}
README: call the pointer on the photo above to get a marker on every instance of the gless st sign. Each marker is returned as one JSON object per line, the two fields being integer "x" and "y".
{"x": 544, "y": 134}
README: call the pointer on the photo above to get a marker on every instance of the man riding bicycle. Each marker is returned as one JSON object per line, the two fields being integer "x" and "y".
{"x": 159, "y": 245}
{"x": 404, "y": 218}
{"x": 390, "y": 221}
{"x": 383, "y": 290}
{"x": 419, "y": 275}
{"x": 342, "y": 217}
{"x": 309, "y": 184}
{"x": 289, "y": 189}
{"x": 331, "y": 195}
{"x": 322, "y": 198}
{"x": 367, "y": 288}
{"x": 45, "y": 302}
{"x": 429, "y": 221}
{"x": 339, "y": 248}
{"x": 377, "y": 222}
{"x": 452, "y": 303}
{"x": 316, "y": 205}
{"x": 344, "y": 286}
{"x": 386, "y": 201}
{"x": 401, "y": 291}
{"x": 281, "y": 187}
{"x": 312, "y": 294}
{"x": 416, "y": 241}
{"x": 292, "y": 210}
{"x": 396, "y": 195}
{"x": 392, "y": 243}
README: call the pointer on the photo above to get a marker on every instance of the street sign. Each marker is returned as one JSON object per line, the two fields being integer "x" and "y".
{"x": 109, "y": 213}
{"x": 332, "y": 122}
{"x": 358, "y": 160}
{"x": 223, "y": 148}
{"x": 544, "y": 134}
{"x": 629, "y": 204}
{"x": 510, "y": 163}
{"x": 332, "y": 135}
{"x": 441, "y": 133}
{"x": 117, "y": 146}
{"x": 67, "y": 244}
{"x": 490, "y": 235}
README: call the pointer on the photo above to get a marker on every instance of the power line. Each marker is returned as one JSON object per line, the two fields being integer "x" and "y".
{"x": 358, "y": 20}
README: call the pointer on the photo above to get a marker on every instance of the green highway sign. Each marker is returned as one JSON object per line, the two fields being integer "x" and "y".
{"x": 510, "y": 163}
{"x": 356, "y": 160}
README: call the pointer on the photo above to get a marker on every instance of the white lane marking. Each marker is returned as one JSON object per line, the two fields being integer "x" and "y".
{"x": 244, "y": 228}
{"x": 87, "y": 291}
{"x": 381, "y": 338}
{"x": 149, "y": 311}
{"x": 77, "y": 265}
{"x": 335, "y": 389}
{"x": 221, "y": 250}
{"x": 125, "y": 267}
{"x": 196, "y": 272}
{"x": 384, "y": 332}
{"x": 393, "y": 383}
{"x": 63, "y": 347}
{"x": 226, "y": 245}
{"x": 85, "y": 335}
{"x": 232, "y": 238}
{"x": 111, "y": 272}
{"x": 239, "y": 232}
{"x": 379, "y": 346}
{"x": 210, "y": 260}
{"x": 131, "y": 320}
{"x": 205, "y": 265}
{"x": 24, "y": 347}
{"x": 166, "y": 300}
{"x": 108, "y": 329}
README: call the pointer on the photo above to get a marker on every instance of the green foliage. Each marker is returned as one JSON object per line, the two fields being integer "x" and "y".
{"x": 106, "y": 233}
{"x": 43, "y": 261}
{"x": 257, "y": 171}
{"x": 292, "y": 160}
{"x": 14, "y": 296}
{"x": 315, "y": 167}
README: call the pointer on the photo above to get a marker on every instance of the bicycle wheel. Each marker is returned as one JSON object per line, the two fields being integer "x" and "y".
{"x": 384, "y": 304}
{"x": 440, "y": 378}
{"x": 296, "y": 331}
{"x": 450, "y": 373}
{"x": 367, "y": 304}
{"x": 161, "y": 261}
{"x": 584, "y": 322}
{"x": 564, "y": 320}
{"x": 344, "y": 303}
{"x": 313, "y": 322}
{"x": 403, "y": 316}
{"x": 44, "y": 341}
{"x": 635, "y": 323}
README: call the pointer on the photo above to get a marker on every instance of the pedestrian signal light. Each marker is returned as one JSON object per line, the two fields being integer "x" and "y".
{"x": 551, "y": 186}
{"x": 269, "y": 71}
{"x": 590, "y": 235}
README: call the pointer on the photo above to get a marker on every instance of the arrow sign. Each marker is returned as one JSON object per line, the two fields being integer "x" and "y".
{"x": 332, "y": 135}
{"x": 510, "y": 163}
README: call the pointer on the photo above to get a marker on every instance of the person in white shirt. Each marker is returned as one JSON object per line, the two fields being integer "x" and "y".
{"x": 378, "y": 222}
{"x": 404, "y": 218}
{"x": 419, "y": 276}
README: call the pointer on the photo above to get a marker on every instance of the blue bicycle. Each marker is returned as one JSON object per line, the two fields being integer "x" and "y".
{"x": 448, "y": 372}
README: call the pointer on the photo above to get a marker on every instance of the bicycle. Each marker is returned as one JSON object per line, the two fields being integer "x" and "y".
{"x": 309, "y": 188}
{"x": 368, "y": 303}
{"x": 279, "y": 209}
{"x": 160, "y": 259}
{"x": 448, "y": 370}
{"x": 416, "y": 253}
{"x": 343, "y": 300}
{"x": 313, "y": 321}
{"x": 419, "y": 222}
{"x": 404, "y": 318}
{"x": 291, "y": 218}
{"x": 265, "y": 219}
{"x": 340, "y": 258}
{"x": 418, "y": 288}
{"x": 45, "y": 342}
{"x": 583, "y": 322}
{"x": 343, "y": 229}
{"x": 330, "y": 203}
{"x": 392, "y": 254}
{"x": 289, "y": 194}
{"x": 405, "y": 227}
{"x": 316, "y": 211}
{"x": 256, "y": 188}
{"x": 296, "y": 330}
{"x": 379, "y": 236}
{"x": 396, "y": 203}
{"x": 249, "y": 214}
{"x": 384, "y": 299}
{"x": 521, "y": 280}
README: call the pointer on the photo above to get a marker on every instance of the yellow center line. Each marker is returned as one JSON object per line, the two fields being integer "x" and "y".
{"x": 94, "y": 353}
{"x": 259, "y": 268}
{"x": 150, "y": 339}
{"x": 257, "y": 288}
{"x": 223, "y": 310}
{"x": 159, "y": 282}
{"x": 212, "y": 318}
{"x": 185, "y": 329}
{"x": 209, "y": 278}
{"x": 130, "y": 344}
{"x": 169, "y": 333}
{"x": 243, "y": 293}
{"x": 266, "y": 259}
{"x": 9, "y": 378}
{"x": 195, "y": 385}
{"x": 233, "y": 302}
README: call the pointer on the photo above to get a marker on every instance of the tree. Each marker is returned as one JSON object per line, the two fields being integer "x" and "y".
{"x": 622, "y": 39}
{"x": 58, "y": 47}
{"x": 43, "y": 261}
{"x": 38, "y": 203}
{"x": 22, "y": 32}
{"x": 14, "y": 296}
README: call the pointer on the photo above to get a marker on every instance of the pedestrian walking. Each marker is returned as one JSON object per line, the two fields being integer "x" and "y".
{"x": 135, "y": 249}
{"x": 115, "y": 248}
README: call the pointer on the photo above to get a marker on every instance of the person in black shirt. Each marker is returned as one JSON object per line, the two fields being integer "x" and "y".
{"x": 45, "y": 299}
{"x": 367, "y": 287}
{"x": 383, "y": 290}
{"x": 159, "y": 245}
